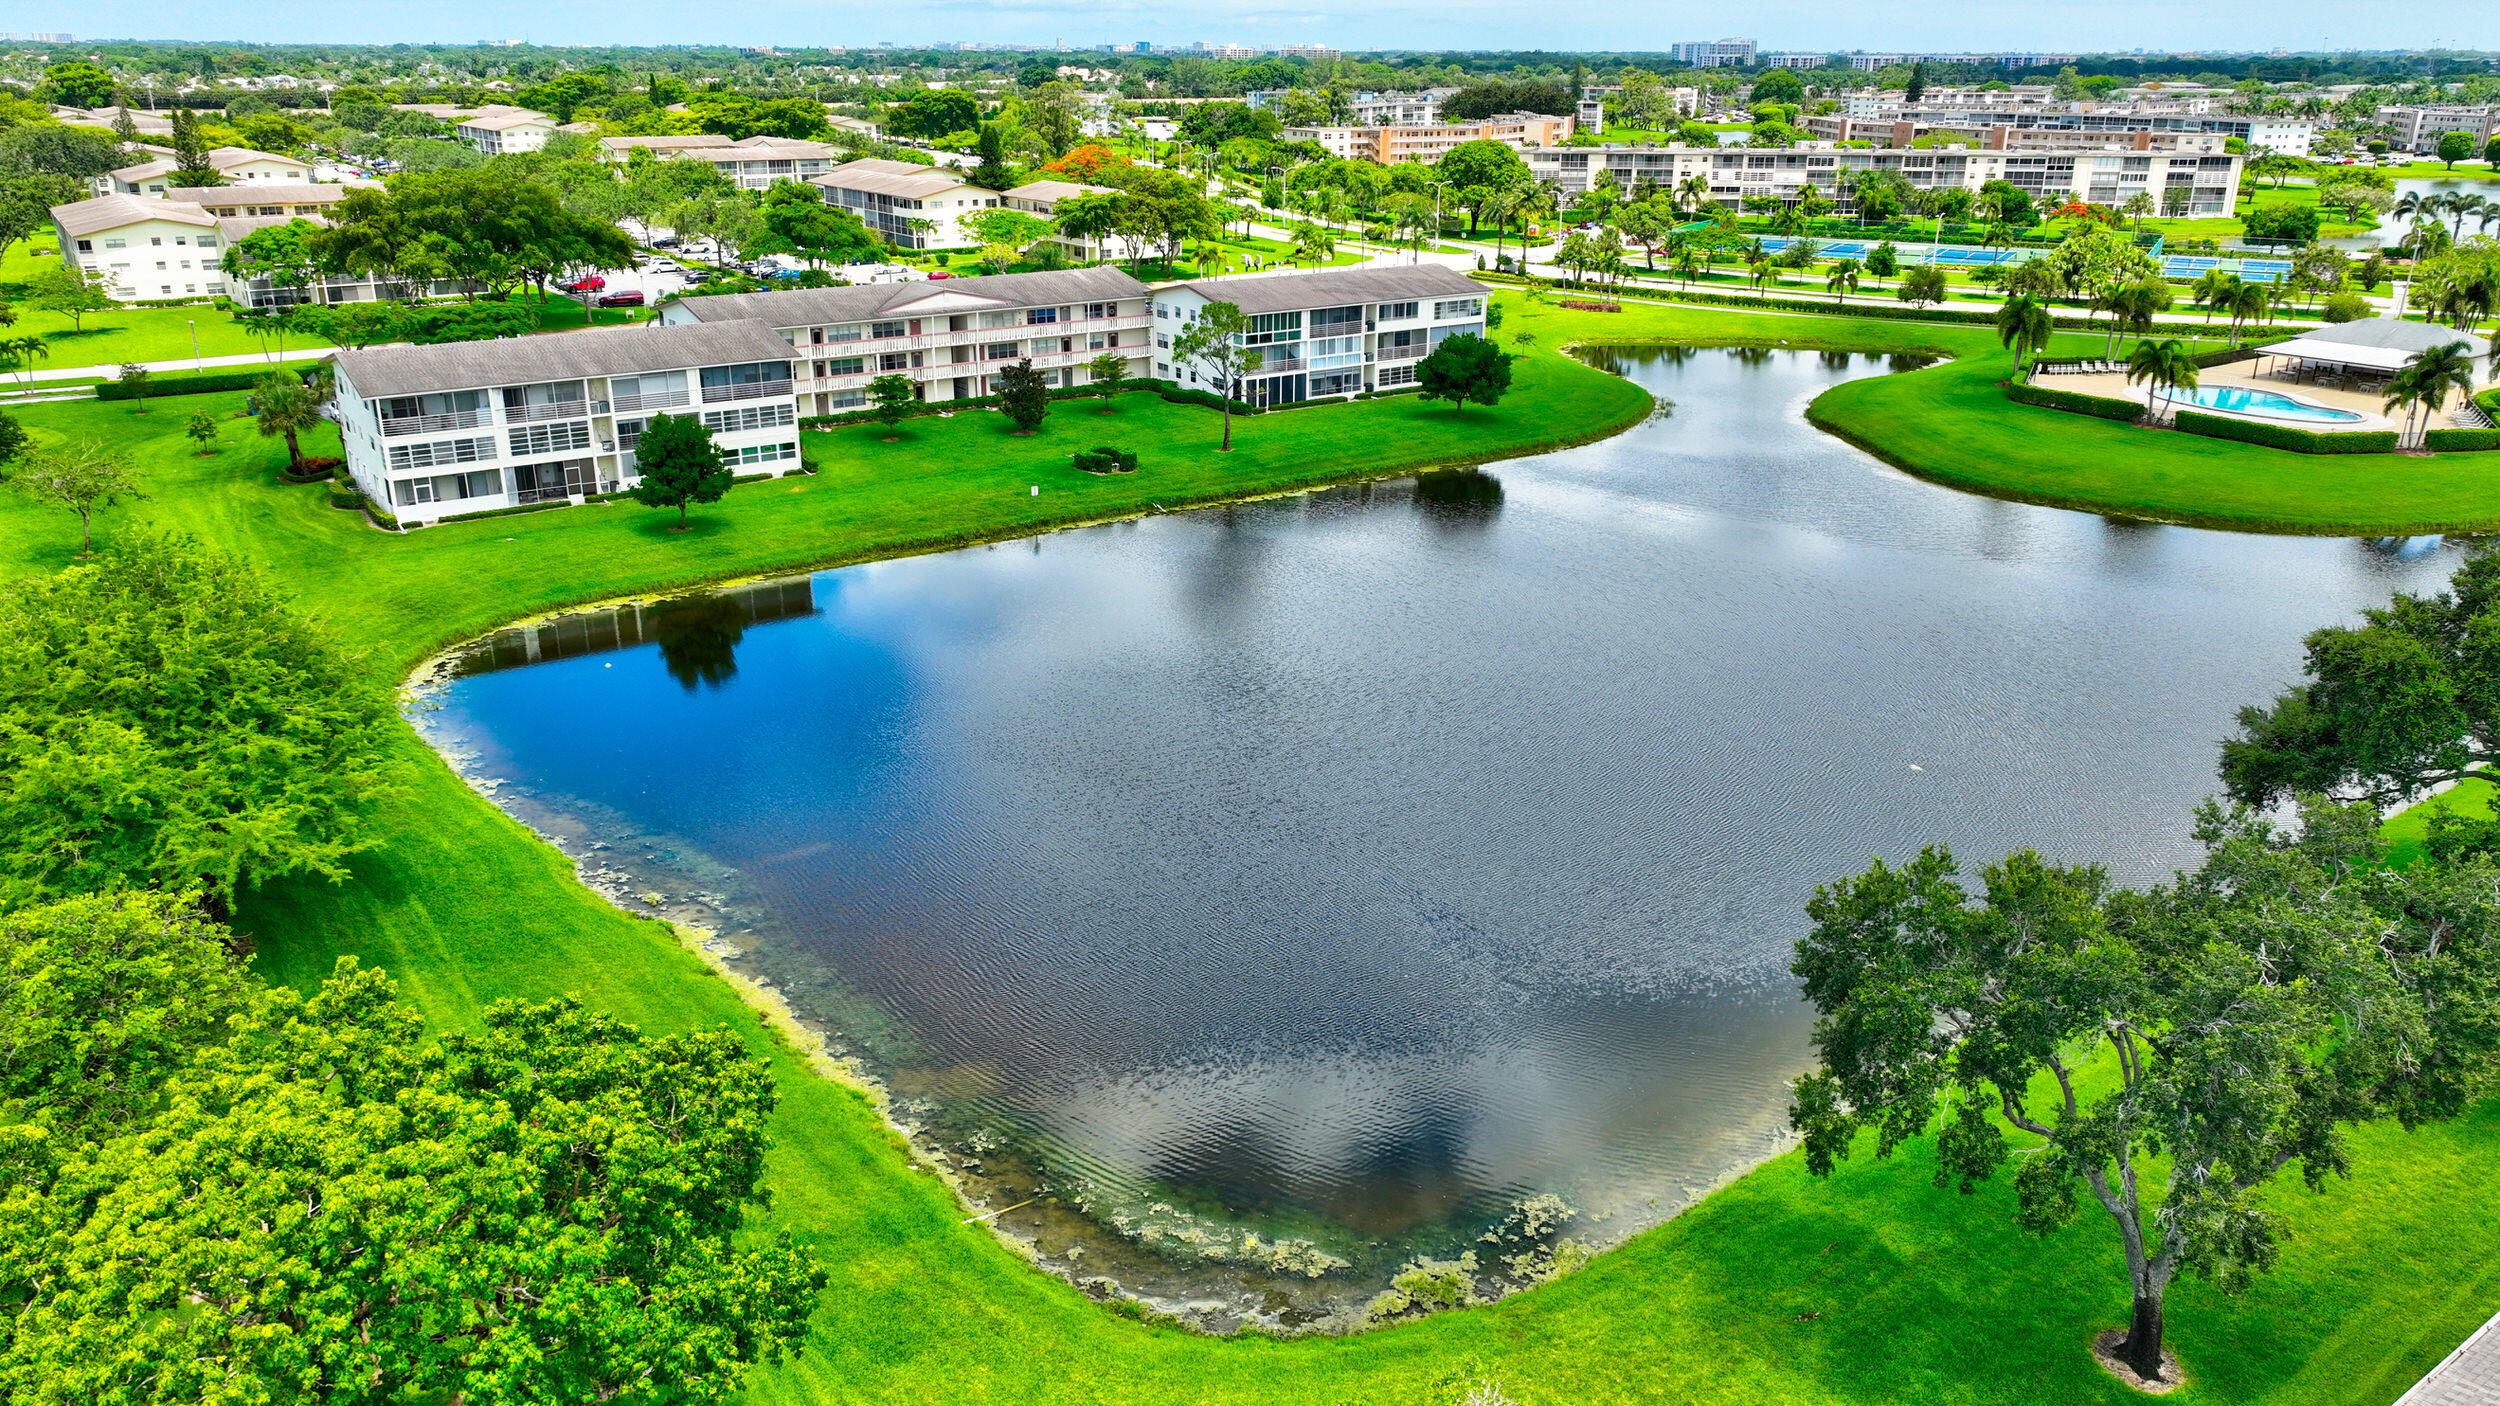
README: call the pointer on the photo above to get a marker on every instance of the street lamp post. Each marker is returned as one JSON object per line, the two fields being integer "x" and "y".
{"x": 195, "y": 342}
{"x": 1437, "y": 187}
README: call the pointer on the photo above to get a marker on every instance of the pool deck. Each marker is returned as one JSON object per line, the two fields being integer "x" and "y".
{"x": 2243, "y": 373}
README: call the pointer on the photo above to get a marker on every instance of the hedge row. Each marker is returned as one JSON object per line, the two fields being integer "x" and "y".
{"x": 549, "y": 506}
{"x": 2285, "y": 437}
{"x": 2461, "y": 439}
{"x": 1969, "y": 317}
{"x": 1169, "y": 390}
{"x": 2105, "y": 407}
{"x": 187, "y": 383}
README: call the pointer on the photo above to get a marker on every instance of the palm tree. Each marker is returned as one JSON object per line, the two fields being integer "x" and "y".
{"x": 2024, "y": 323}
{"x": 2249, "y": 301}
{"x": 1843, "y": 280}
{"x": 2423, "y": 385}
{"x": 288, "y": 405}
{"x": 1692, "y": 193}
{"x": 2133, "y": 308}
{"x": 2461, "y": 205}
{"x": 1763, "y": 273}
{"x": 2167, "y": 365}
{"x": 2212, "y": 290}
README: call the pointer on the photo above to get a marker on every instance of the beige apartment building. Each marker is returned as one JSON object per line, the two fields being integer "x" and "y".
{"x": 1521, "y": 131}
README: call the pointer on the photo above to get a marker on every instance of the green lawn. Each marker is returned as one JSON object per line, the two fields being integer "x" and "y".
{"x": 1873, "y": 1288}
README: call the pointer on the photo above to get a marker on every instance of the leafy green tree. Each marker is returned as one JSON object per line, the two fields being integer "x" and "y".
{"x": 51, "y": 149}
{"x": 202, "y": 430}
{"x": 2282, "y": 222}
{"x": 285, "y": 405}
{"x": 1780, "y": 85}
{"x": 79, "y": 83}
{"x": 679, "y": 465}
{"x": 26, "y": 201}
{"x": 82, "y": 476}
{"x": 134, "y": 377}
{"x": 67, "y": 289}
{"x": 281, "y": 254}
{"x": 2455, "y": 147}
{"x": 1024, "y": 394}
{"x": 1477, "y": 101}
{"x": 1479, "y": 173}
{"x": 1464, "y": 368}
{"x": 1883, "y": 261}
{"x": 102, "y": 999}
{"x": 993, "y": 172}
{"x": 797, "y": 217}
{"x": 1108, "y": 373}
{"x": 191, "y": 164}
{"x": 166, "y": 722}
{"x": 890, "y": 397}
{"x": 934, "y": 112}
{"x": 549, "y": 1208}
{"x": 1924, "y": 284}
{"x": 2167, "y": 1053}
{"x": 15, "y": 443}
{"x": 1212, "y": 344}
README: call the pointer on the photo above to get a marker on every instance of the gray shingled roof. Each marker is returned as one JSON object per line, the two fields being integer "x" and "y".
{"x": 2469, "y": 1377}
{"x": 1328, "y": 288}
{"x": 891, "y": 178}
{"x": 557, "y": 356}
{"x": 83, "y": 217}
{"x": 322, "y": 192}
{"x": 818, "y": 307}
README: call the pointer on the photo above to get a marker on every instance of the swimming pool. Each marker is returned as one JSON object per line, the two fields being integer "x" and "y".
{"x": 2265, "y": 404}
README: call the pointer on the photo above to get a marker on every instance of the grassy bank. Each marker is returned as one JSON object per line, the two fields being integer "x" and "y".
{"x": 1876, "y": 1287}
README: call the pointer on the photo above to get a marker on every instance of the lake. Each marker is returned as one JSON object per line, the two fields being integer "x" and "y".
{"x": 1320, "y": 882}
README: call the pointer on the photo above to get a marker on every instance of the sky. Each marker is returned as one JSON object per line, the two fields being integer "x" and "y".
{"x": 1978, "y": 25}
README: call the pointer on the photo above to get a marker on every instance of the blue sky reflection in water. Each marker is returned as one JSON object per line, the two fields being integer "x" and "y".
{"x": 1383, "y": 855}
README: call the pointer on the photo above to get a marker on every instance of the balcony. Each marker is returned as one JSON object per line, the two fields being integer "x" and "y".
{"x": 1274, "y": 365}
{"x": 1407, "y": 353}
{"x": 549, "y": 493}
{"x": 747, "y": 390}
{"x": 434, "y": 424}
{"x": 657, "y": 400}
{"x": 559, "y": 410}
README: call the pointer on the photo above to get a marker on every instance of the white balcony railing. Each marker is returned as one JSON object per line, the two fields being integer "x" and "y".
{"x": 559, "y": 410}
{"x": 433, "y": 424}
{"x": 745, "y": 390}
{"x": 1407, "y": 353}
{"x": 656, "y": 400}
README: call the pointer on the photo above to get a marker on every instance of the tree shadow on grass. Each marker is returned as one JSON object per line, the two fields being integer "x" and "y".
{"x": 659, "y": 525}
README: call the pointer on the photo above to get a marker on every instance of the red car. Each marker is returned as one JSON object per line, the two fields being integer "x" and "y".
{"x": 590, "y": 283}
{"x": 941, "y": 275}
{"x": 630, "y": 298}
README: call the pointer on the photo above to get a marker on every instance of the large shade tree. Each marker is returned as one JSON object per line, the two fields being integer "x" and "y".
{"x": 2161, "y": 1056}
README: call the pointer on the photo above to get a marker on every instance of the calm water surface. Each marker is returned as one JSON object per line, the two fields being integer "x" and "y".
{"x": 1351, "y": 867}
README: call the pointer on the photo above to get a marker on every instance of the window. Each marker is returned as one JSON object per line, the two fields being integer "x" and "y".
{"x": 1397, "y": 312}
{"x": 991, "y": 321}
{"x": 845, "y": 400}
{"x": 842, "y": 366}
{"x": 1163, "y": 368}
{"x": 1093, "y": 310}
{"x": 548, "y": 439}
{"x": 517, "y": 398}
{"x": 156, "y": 239}
{"x": 887, "y": 329}
{"x": 894, "y": 361}
{"x": 766, "y": 453}
{"x": 999, "y": 351}
{"x": 1457, "y": 307}
{"x": 1163, "y": 342}
{"x": 647, "y": 391}
{"x": 848, "y": 332}
{"x": 208, "y": 241}
{"x": 750, "y": 417}
{"x": 111, "y": 244}
{"x": 746, "y": 373}
{"x": 1337, "y": 383}
{"x": 1037, "y": 316}
{"x": 450, "y": 451}
{"x": 1401, "y": 374}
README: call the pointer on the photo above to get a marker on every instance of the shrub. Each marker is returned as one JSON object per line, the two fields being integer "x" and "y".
{"x": 1106, "y": 460}
{"x": 196, "y": 383}
{"x": 2446, "y": 440}
{"x": 2345, "y": 307}
{"x": 347, "y": 498}
{"x": 2285, "y": 437}
{"x": 504, "y": 512}
{"x": 2073, "y": 401}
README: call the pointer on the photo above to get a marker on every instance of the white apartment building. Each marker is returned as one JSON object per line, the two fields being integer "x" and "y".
{"x": 2209, "y": 180}
{"x": 753, "y": 163}
{"x": 1881, "y": 119}
{"x": 235, "y": 165}
{"x": 1042, "y": 198}
{"x": 2418, "y": 129}
{"x": 950, "y": 336}
{"x": 496, "y": 130}
{"x": 913, "y": 206}
{"x": 1520, "y": 131}
{"x": 1714, "y": 53}
{"x": 144, "y": 249}
{"x": 469, "y": 426}
{"x": 1328, "y": 333}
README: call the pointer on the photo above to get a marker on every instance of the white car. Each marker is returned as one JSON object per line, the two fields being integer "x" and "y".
{"x": 663, "y": 266}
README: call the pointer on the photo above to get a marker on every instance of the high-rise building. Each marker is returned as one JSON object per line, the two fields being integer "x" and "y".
{"x": 1714, "y": 53}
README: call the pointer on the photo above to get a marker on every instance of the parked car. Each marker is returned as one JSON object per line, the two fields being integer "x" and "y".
{"x": 630, "y": 298}
{"x": 666, "y": 241}
{"x": 588, "y": 283}
{"x": 664, "y": 266}
{"x": 695, "y": 276}
{"x": 941, "y": 275}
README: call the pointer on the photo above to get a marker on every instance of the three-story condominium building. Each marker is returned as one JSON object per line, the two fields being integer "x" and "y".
{"x": 950, "y": 336}
{"x": 468, "y": 426}
{"x": 913, "y": 206}
{"x": 753, "y": 163}
{"x": 2201, "y": 183}
{"x": 1329, "y": 333}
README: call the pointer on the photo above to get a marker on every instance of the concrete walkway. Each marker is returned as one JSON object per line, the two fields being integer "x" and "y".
{"x": 206, "y": 363}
